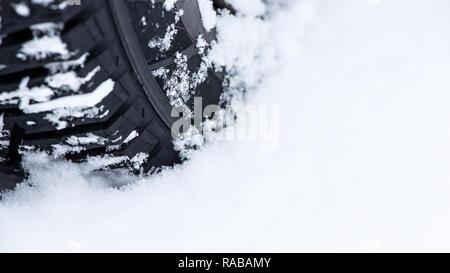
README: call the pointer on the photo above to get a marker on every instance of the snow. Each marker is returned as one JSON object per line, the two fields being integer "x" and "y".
{"x": 61, "y": 94}
{"x": 180, "y": 84}
{"x": 58, "y": 5}
{"x": 1, "y": 122}
{"x": 169, "y": 4}
{"x": 47, "y": 28}
{"x": 60, "y": 150}
{"x": 138, "y": 160}
{"x": 362, "y": 162}
{"x": 177, "y": 84}
{"x": 131, "y": 136}
{"x": 143, "y": 21}
{"x": 69, "y": 80}
{"x": 76, "y": 101}
{"x": 42, "y": 48}
{"x": 164, "y": 43}
{"x": 46, "y": 43}
{"x": 21, "y": 9}
{"x": 201, "y": 44}
{"x": 66, "y": 107}
{"x": 88, "y": 139}
{"x": 4, "y": 135}
{"x": 98, "y": 162}
{"x": 64, "y": 66}
{"x": 42, "y": 2}
{"x": 208, "y": 14}
{"x": 24, "y": 95}
{"x": 60, "y": 117}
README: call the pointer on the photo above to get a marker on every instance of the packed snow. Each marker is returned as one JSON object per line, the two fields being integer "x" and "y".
{"x": 362, "y": 161}
{"x": 46, "y": 43}
{"x": 82, "y": 101}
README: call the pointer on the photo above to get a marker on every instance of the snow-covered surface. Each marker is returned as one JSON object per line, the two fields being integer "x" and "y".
{"x": 362, "y": 162}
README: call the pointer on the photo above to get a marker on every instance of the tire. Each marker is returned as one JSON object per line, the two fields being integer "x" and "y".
{"x": 108, "y": 52}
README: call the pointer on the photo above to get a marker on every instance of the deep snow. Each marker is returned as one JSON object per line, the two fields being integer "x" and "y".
{"x": 362, "y": 162}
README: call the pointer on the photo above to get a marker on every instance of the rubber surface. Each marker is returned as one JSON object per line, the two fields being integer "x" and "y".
{"x": 116, "y": 40}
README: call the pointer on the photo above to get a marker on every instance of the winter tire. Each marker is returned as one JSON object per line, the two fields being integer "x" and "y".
{"x": 77, "y": 79}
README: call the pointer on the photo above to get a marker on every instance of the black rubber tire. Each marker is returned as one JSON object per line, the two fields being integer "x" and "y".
{"x": 112, "y": 33}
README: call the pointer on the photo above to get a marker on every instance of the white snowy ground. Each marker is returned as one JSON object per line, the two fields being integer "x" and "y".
{"x": 363, "y": 161}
